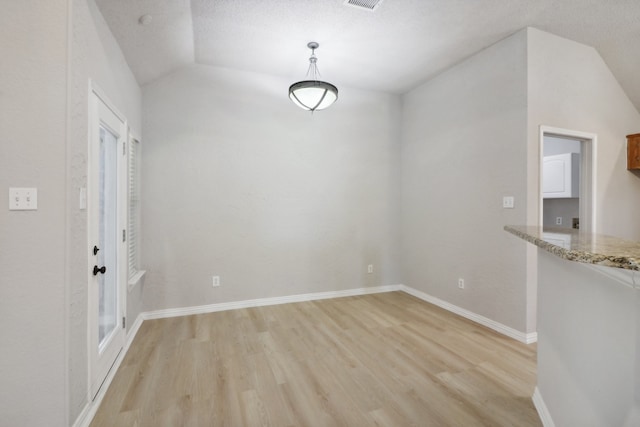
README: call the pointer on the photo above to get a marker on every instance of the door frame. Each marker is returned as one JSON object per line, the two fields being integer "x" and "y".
{"x": 588, "y": 168}
{"x": 97, "y": 372}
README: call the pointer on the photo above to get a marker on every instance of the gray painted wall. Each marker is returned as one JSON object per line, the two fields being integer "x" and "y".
{"x": 587, "y": 344}
{"x": 567, "y": 209}
{"x": 453, "y": 177}
{"x": 277, "y": 201}
{"x": 95, "y": 55}
{"x": 464, "y": 148}
{"x": 43, "y": 256}
{"x": 571, "y": 87}
{"x": 33, "y": 42}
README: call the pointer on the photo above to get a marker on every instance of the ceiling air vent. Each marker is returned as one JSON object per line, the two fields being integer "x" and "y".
{"x": 370, "y": 5}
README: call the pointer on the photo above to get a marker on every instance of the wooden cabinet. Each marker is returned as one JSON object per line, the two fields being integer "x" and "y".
{"x": 633, "y": 151}
{"x": 561, "y": 176}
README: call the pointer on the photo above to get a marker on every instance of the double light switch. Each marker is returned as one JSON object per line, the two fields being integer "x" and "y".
{"x": 23, "y": 199}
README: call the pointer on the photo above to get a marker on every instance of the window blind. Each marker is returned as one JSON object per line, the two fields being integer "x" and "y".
{"x": 133, "y": 227}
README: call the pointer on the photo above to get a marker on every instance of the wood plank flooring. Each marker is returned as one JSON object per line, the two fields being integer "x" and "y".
{"x": 376, "y": 360}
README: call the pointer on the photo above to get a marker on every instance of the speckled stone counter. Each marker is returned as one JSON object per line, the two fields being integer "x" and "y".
{"x": 580, "y": 246}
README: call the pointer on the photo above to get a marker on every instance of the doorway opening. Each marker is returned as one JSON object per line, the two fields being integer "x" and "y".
{"x": 567, "y": 179}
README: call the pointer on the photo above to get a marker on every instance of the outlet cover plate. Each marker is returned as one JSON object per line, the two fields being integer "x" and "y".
{"x": 508, "y": 202}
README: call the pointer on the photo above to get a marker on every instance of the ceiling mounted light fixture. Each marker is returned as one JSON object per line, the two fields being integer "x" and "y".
{"x": 313, "y": 94}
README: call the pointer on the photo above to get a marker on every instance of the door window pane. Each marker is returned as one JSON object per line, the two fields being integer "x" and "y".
{"x": 108, "y": 235}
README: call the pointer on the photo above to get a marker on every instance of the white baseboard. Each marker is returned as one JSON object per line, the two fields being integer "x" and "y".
{"x": 543, "y": 412}
{"x": 90, "y": 409}
{"x": 492, "y": 324}
{"x": 85, "y": 418}
{"x": 211, "y": 308}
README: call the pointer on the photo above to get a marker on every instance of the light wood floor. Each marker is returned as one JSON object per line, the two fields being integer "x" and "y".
{"x": 376, "y": 360}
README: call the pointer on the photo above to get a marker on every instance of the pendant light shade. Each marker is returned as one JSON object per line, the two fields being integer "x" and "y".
{"x": 312, "y": 95}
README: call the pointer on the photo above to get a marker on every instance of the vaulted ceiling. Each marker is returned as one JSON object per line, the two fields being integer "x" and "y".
{"x": 399, "y": 45}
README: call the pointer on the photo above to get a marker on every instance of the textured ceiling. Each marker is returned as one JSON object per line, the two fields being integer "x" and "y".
{"x": 393, "y": 49}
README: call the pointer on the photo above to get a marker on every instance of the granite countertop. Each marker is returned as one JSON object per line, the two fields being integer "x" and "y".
{"x": 580, "y": 246}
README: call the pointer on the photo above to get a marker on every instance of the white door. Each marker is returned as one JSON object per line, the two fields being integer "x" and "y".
{"x": 106, "y": 225}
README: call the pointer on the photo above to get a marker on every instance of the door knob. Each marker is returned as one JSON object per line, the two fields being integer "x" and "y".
{"x": 95, "y": 250}
{"x": 97, "y": 270}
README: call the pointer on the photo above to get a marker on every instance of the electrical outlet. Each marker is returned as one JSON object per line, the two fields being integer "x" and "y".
{"x": 216, "y": 281}
{"x": 558, "y": 220}
{"x": 508, "y": 202}
{"x": 461, "y": 283}
{"x": 370, "y": 268}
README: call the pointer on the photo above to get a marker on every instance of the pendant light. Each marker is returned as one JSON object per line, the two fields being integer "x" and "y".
{"x": 312, "y": 95}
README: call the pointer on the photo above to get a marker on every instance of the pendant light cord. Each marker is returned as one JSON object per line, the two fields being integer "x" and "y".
{"x": 313, "y": 67}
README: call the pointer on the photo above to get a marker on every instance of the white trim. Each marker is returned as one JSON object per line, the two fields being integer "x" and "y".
{"x": 67, "y": 289}
{"x": 133, "y": 331}
{"x": 103, "y": 113}
{"x": 97, "y": 90}
{"x": 137, "y": 278}
{"x": 484, "y": 321}
{"x": 211, "y": 308}
{"x": 86, "y": 416}
{"x": 90, "y": 409}
{"x": 543, "y": 411}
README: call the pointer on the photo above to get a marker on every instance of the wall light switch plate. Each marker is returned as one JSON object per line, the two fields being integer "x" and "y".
{"x": 508, "y": 202}
{"x": 23, "y": 199}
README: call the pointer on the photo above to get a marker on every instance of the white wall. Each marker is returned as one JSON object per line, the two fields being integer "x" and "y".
{"x": 241, "y": 183}
{"x": 33, "y": 42}
{"x": 463, "y": 149}
{"x": 95, "y": 55}
{"x": 571, "y": 87}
